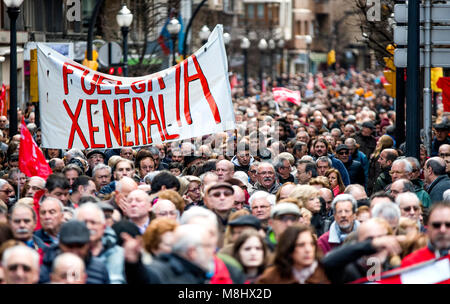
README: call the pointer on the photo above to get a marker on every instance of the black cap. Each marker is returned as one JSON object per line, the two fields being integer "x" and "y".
{"x": 92, "y": 152}
{"x": 368, "y": 124}
{"x": 125, "y": 226}
{"x": 246, "y": 220}
{"x": 442, "y": 126}
{"x": 342, "y": 147}
{"x": 74, "y": 232}
{"x": 189, "y": 159}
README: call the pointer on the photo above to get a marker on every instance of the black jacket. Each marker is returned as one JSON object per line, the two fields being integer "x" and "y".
{"x": 356, "y": 172}
{"x": 437, "y": 188}
{"x": 165, "y": 269}
{"x": 367, "y": 144}
{"x": 383, "y": 180}
{"x": 96, "y": 271}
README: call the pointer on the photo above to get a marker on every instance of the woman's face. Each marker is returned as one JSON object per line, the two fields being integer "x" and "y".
{"x": 313, "y": 204}
{"x": 251, "y": 252}
{"x": 165, "y": 246}
{"x": 304, "y": 252}
{"x": 333, "y": 180}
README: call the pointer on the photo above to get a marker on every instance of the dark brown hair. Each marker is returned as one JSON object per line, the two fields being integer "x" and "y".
{"x": 245, "y": 235}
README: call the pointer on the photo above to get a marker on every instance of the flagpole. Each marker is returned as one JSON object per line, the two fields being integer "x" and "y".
{"x": 18, "y": 185}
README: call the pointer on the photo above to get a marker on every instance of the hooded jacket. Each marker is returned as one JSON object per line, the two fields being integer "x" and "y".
{"x": 239, "y": 167}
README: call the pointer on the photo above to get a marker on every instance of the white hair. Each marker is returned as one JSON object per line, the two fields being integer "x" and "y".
{"x": 262, "y": 194}
{"x": 344, "y": 198}
{"x": 88, "y": 207}
{"x": 387, "y": 211}
{"x": 446, "y": 195}
{"x": 406, "y": 197}
{"x": 20, "y": 248}
{"x": 196, "y": 211}
{"x": 406, "y": 164}
{"x": 186, "y": 237}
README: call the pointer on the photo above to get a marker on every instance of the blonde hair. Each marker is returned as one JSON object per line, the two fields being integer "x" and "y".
{"x": 303, "y": 193}
{"x": 320, "y": 180}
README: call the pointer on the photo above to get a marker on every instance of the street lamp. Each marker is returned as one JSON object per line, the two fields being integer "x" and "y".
{"x": 204, "y": 34}
{"x": 13, "y": 12}
{"x": 174, "y": 28}
{"x": 245, "y": 44}
{"x": 226, "y": 38}
{"x": 262, "y": 46}
{"x": 124, "y": 19}
{"x": 281, "y": 46}
{"x": 308, "y": 40}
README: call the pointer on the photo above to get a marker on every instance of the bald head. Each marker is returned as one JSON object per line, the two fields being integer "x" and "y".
{"x": 239, "y": 197}
{"x": 372, "y": 228}
{"x": 126, "y": 185}
{"x": 224, "y": 170}
{"x": 444, "y": 149}
{"x": 68, "y": 268}
{"x": 165, "y": 208}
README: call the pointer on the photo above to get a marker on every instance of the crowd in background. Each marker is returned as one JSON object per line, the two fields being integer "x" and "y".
{"x": 295, "y": 194}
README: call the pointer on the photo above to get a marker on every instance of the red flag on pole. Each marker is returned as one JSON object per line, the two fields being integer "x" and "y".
{"x": 3, "y": 108}
{"x": 281, "y": 94}
{"x": 31, "y": 159}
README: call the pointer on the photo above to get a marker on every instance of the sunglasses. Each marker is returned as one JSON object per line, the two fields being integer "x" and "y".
{"x": 438, "y": 225}
{"x": 14, "y": 267}
{"x": 219, "y": 194}
{"x": 408, "y": 209}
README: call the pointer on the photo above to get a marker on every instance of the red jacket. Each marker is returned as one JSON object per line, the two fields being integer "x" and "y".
{"x": 324, "y": 244}
{"x": 221, "y": 274}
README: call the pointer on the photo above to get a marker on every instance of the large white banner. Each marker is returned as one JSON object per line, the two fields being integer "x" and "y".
{"x": 81, "y": 108}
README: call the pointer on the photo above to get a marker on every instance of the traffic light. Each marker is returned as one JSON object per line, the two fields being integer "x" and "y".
{"x": 389, "y": 72}
{"x": 331, "y": 57}
{"x": 92, "y": 64}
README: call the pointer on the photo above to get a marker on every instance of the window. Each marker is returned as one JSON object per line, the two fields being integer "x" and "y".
{"x": 260, "y": 10}
{"x": 250, "y": 11}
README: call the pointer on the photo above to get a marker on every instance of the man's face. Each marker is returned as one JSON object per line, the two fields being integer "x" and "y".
{"x": 177, "y": 156}
{"x": 253, "y": 173}
{"x": 444, "y": 153}
{"x": 89, "y": 190}
{"x": 127, "y": 153}
{"x": 7, "y": 192}
{"x": 266, "y": 176}
{"x": 439, "y": 228}
{"x": 410, "y": 209}
{"x": 223, "y": 171}
{"x": 95, "y": 159}
{"x": 384, "y": 163}
{"x": 147, "y": 165}
{"x": 165, "y": 208}
{"x": 351, "y": 146}
{"x": 322, "y": 167}
{"x": 123, "y": 168}
{"x": 302, "y": 136}
{"x": 138, "y": 204}
{"x": 33, "y": 187}
{"x": 415, "y": 174}
{"x": 441, "y": 134}
{"x": 344, "y": 215}
{"x": 302, "y": 176}
{"x": 221, "y": 199}
{"x": 102, "y": 178}
{"x": 3, "y": 121}
{"x": 366, "y": 131}
{"x": 398, "y": 171}
{"x": 280, "y": 223}
{"x": 51, "y": 215}
{"x": 92, "y": 218}
{"x": 397, "y": 188}
{"x": 71, "y": 176}
{"x": 20, "y": 269}
{"x": 285, "y": 169}
{"x": 320, "y": 149}
{"x": 261, "y": 209}
{"x": 343, "y": 155}
{"x": 243, "y": 157}
{"x": 61, "y": 194}
{"x": 348, "y": 132}
{"x": 22, "y": 224}
{"x": 194, "y": 191}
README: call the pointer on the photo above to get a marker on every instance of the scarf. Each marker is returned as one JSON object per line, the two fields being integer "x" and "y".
{"x": 302, "y": 275}
{"x": 337, "y": 236}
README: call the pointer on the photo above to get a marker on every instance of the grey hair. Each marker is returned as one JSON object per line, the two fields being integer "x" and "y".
{"x": 196, "y": 211}
{"x": 344, "y": 198}
{"x": 406, "y": 197}
{"x": 150, "y": 176}
{"x": 352, "y": 140}
{"x": 20, "y": 248}
{"x": 101, "y": 166}
{"x": 325, "y": 159}
{"x": 38, "y": 178}
{"x": 204, "y": 175}
{"x": 26, "y": 206}
{"x": 48, "y": 198}
{"x": 3, "y": 182}
{"x": 76, "y": 153}
{"x": 262, "y": 194}
{"x": 90, "y": 206}
{"x": 153, "y": 150}
{"x": 446, "y": 195}
{"x": 350, "y": 125}
{"x": 414, "y": 160}
{"x": 407, "y": 164}
{"x": 186, "y": 237}
{"x": 336, "y": 129}
{"x": 388, "y": 211}
{"x": 278, "y": 163}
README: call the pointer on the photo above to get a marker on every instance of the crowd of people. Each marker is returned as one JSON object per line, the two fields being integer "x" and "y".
{"x": 295, "y": 194}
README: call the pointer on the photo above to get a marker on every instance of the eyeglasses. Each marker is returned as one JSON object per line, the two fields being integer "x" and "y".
{"x": 288, "y": 217}
{"x": 444, "y": 154}
{"x": 396, "y": 172}
{"x": 252, "y": 171}
{"x": 220, "y": 193}
{"x": 14, "y": 267}
{"x": 194, "y": 189}
{"x": 343, "y": 153}
{"x": 408, "y": 209}
{"x": 438, "y": 225}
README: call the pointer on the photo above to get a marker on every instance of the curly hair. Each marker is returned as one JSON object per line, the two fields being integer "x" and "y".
{"x": 153, "y": 233}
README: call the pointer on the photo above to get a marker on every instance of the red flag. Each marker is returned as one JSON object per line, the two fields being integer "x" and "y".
{"x": 281, "y": 94}
{"x": 444, "y": 84}
{"x": 31, "y": 159}
{"x": 3, "y": 101}
{"x": 321, "y": 83}
{"x": 233, "y": 81}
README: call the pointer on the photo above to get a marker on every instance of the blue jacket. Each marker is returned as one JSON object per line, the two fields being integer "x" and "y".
{"x": 337, "y": 164}
{"x": 362, "y": 158}
{"x": 96, "y": 271}
{"x": 113, "y": 257}
{"x": 108, "y": 188}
